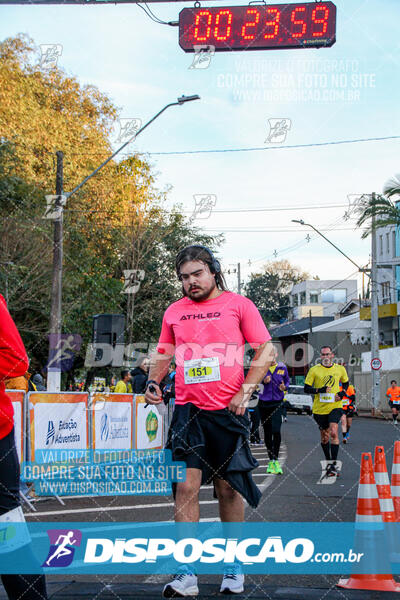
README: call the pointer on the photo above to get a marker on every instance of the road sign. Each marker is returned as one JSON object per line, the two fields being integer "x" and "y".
{"x": 376, "y": 364}
{"x": 258, "y": 27}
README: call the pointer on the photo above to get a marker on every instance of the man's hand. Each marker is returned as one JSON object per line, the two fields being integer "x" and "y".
{"x": 153, "y": 398}
{"x": 282, "y": 387}
{"x": 267, "y": 379}
{"x": 337, "y": 398}
{"x": 239, "y": 403}
{"x": 328, "y": 389}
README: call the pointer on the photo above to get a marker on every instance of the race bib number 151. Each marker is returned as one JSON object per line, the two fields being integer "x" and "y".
{"x": 202, "y": 370}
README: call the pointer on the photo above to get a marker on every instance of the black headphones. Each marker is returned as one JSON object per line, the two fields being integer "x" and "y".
{"x": 215, "y": 266}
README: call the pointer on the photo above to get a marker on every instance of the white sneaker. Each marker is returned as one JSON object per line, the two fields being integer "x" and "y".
{"x": 233, "y": 580}
{"x": 183, "y": 584}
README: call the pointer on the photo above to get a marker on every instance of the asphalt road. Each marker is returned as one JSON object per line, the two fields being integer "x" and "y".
{"x": 294, "y": 496}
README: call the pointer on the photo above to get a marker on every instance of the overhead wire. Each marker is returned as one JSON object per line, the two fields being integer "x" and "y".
{"x": 154, "y": 17}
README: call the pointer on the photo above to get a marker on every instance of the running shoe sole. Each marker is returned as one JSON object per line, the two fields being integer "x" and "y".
{"x": 169, "y": 592}
{"x": 229, "y": 592}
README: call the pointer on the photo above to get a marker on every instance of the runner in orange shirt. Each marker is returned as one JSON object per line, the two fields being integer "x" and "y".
{"x": 349, "y": 408}
{"x": 393, "y": 393}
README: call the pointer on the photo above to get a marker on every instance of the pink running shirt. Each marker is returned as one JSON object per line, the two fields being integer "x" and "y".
{"x": 213, "y": 328}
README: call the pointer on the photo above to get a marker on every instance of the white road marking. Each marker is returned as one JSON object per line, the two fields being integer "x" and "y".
{"x": 107, "y": 509}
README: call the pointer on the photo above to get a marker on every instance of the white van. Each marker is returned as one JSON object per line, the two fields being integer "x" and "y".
{"x": 298, "y": 401}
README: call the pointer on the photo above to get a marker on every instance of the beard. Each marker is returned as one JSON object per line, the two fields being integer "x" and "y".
{"x": 200, "y": 294}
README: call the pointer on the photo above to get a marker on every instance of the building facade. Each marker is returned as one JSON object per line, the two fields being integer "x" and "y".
{"x": 388, "y": 261}
{"x": 323, "y": 297}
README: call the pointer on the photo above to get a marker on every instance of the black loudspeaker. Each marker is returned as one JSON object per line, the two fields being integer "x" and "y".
{"x": 108, "y": 329}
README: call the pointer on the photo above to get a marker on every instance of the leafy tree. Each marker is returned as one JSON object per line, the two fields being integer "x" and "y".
{"x": 117, "y": 221}
{"x": 383, "y": 207}
{"x": 269, "y": 290}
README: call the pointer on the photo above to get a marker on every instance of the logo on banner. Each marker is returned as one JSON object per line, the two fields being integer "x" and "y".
{"x": 151, "y": 426}
{"x": 113, "y": 428}
{"x": 104, "y": 428}
{"x": 62, "y": 547}
{"x": 51, "y": 432}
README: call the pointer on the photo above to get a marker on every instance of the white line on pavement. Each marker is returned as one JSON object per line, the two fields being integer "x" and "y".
{"x": 107, "y": 508}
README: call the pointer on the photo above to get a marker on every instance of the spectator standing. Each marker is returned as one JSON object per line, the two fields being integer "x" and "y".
{"x": 140, "y": 375}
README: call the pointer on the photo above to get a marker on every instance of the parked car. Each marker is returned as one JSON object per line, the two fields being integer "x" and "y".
{"x": 298, "y": 401}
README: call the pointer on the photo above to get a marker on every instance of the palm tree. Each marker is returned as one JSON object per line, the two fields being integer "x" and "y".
{"x": 385, "y": 210}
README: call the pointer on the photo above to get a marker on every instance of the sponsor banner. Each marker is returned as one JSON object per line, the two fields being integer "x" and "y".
{"x": 148, "y": 425}
{"x": 104, "y": 473}
{"x": 112, "y": 421}
{"x": 58, "y": 421}
{"x": 259, "y": 548}
{"x": 17, "y": 399}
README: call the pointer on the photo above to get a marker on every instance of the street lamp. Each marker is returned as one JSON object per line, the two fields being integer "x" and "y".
{"x": 181, "y": 100}
{"x": 54, "y": 376}
{"x": 329, "y": 242}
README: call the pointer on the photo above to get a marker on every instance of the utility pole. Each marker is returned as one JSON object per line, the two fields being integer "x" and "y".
{"x": 376, "y": 376}
{"x": 239, "y": 281}
{"x": 54, "y": 375}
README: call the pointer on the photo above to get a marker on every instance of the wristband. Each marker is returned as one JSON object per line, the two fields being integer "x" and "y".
{"x": 150, "y": 381}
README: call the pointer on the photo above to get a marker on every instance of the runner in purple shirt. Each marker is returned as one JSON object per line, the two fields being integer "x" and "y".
{"x": 275, "y": 383}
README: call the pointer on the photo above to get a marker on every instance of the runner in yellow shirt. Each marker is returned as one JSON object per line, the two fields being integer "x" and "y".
{"x": 324, "y": 382}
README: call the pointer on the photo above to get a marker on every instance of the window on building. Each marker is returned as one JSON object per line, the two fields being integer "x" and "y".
{"x": 388, "y": 243}
{"x": 313, "y": 297}
{"x": 381, "y": 245}
{"x": 295, "y": 300}
{"x": 385, "y": 285}
{"x": 334, "y": 295}
{"x": 302, "y": 297}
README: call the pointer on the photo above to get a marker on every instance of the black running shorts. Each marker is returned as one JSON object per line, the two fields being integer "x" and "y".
{"x": 220, "y": 445}
{"x": 323, "y": 421}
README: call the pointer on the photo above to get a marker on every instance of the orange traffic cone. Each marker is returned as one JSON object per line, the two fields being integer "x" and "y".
{"x": 368, "y": 511}
{"x": 383, "y": 486}
{"x": 395, "y": 483}
{"x": 386, "y": 503}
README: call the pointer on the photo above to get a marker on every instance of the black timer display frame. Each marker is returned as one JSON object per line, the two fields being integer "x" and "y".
{"x": 258, "y": 26}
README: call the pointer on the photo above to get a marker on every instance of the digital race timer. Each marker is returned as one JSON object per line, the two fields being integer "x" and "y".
{"x": 258, "y": 27}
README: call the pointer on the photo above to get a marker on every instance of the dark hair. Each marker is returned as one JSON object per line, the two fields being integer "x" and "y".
{"x": 393, "y": 381}
{"x": 327, "y": 346}
{"x": 124, "y": 373}
{"x": 205, "y": 255}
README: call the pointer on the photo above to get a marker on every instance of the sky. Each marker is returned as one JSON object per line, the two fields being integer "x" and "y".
{"x": 349, "y": 91}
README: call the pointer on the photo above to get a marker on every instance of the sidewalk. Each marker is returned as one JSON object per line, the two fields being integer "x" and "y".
{"x": 152, "y": 591}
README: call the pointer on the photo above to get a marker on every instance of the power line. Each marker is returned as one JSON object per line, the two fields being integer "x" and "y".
{"x": 273, "y": 209}
{"x": 223, "y": 150}
{"x": 257, "y": 149}
{"x": 240, "y": 230}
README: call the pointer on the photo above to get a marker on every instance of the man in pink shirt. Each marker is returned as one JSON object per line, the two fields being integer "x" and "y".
{"x": 206, "y": 330}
